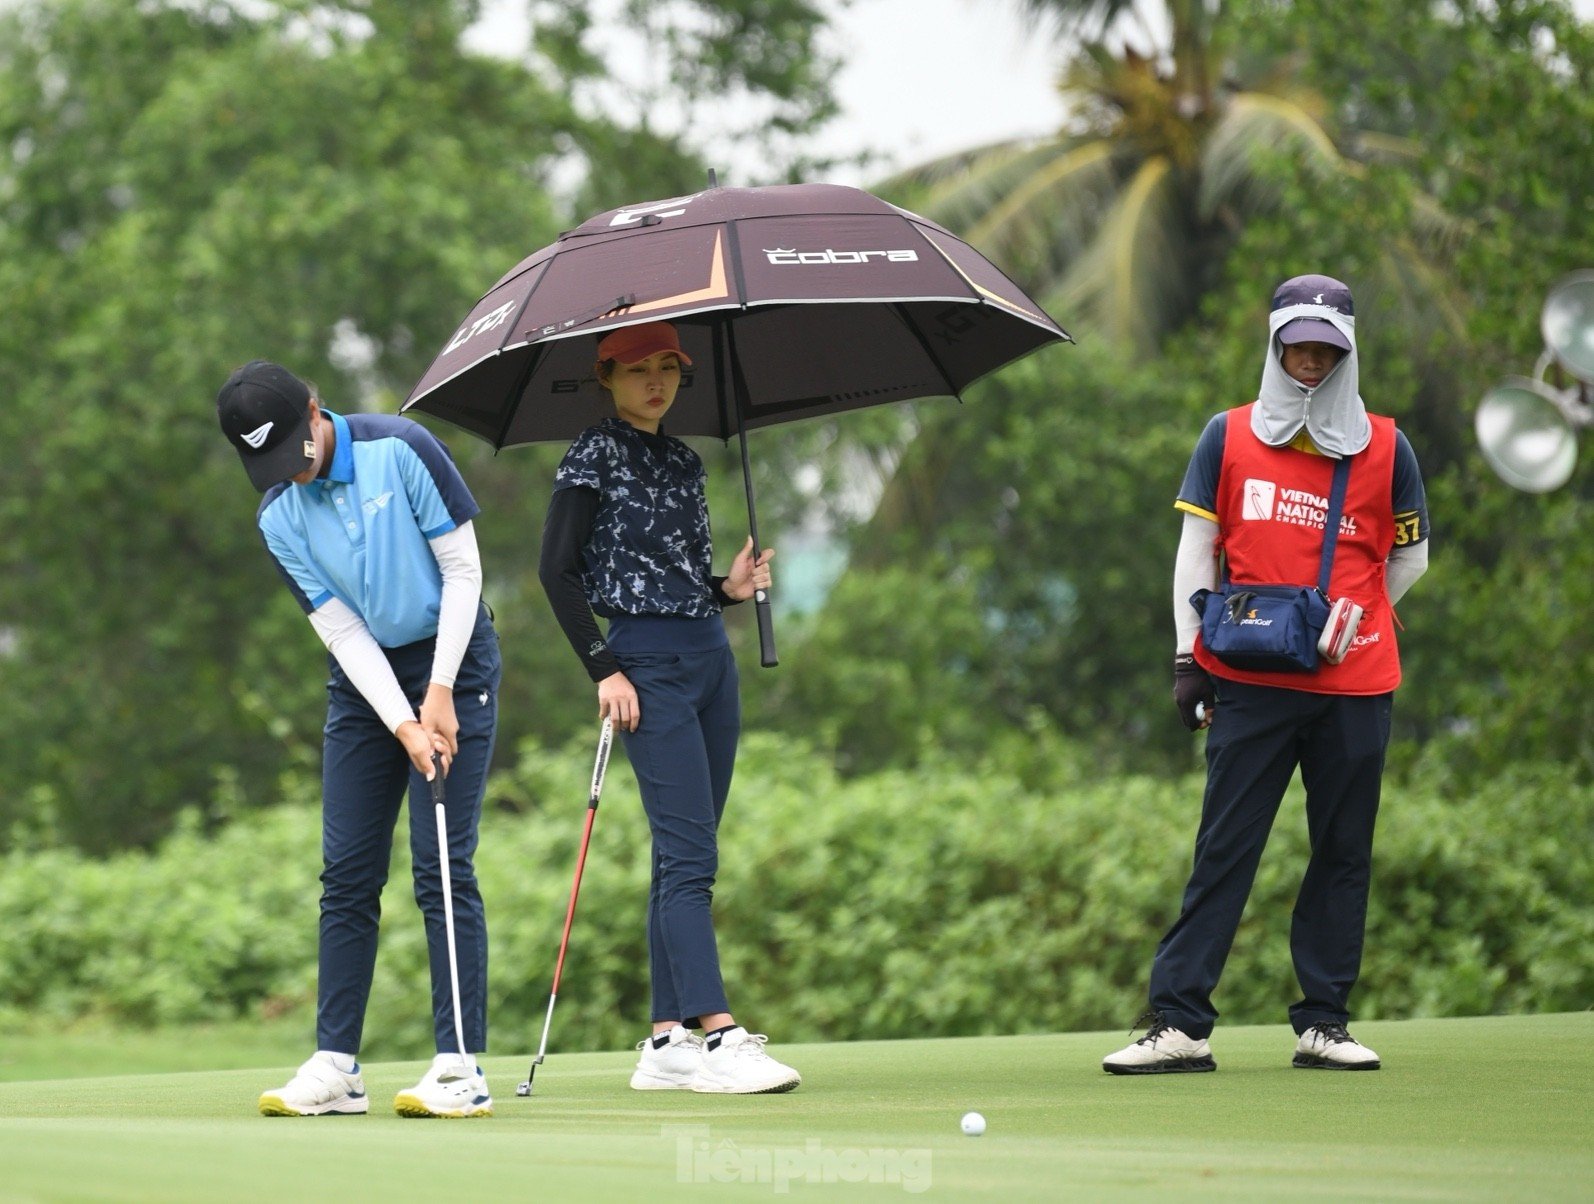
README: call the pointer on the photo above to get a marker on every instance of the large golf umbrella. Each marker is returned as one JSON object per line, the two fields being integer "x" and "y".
{"x": 792, "y": 301}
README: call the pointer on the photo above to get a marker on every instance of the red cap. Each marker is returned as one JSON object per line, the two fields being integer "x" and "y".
{"x": 632, "y": 343}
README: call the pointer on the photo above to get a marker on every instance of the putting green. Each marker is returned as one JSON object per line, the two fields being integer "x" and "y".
{"x": 1480, "y": 1109}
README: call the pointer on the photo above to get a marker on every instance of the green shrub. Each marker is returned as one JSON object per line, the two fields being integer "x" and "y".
{"x": 1011, "y": 897}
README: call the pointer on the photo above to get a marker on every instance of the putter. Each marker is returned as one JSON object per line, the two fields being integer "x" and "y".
{"x": 605, "y": 743}
{"x": 439, "y": 792}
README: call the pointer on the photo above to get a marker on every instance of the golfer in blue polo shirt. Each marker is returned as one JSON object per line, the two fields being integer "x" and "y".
{"x": 369, "y": 523}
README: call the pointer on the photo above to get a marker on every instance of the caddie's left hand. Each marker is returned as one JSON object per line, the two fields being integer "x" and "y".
{"x": 747, "y": 577}
{"x": 1193, "y": 692}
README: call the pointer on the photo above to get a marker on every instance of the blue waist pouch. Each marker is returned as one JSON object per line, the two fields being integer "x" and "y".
{"x": 1263, "y": 628}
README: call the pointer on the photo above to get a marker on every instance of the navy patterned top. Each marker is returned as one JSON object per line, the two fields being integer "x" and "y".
{"x": 650, "y": 551}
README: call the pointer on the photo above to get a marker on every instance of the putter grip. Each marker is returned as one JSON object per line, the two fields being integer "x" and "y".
{"x": 766, "y": 631}
{"x": 439, "y": 788}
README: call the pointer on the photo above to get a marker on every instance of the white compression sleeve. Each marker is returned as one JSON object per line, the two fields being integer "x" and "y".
{"x": 1405, "y": 565}
{"x": 1195, "y": 566}
{"x": 461, "y": 565}
{"x": 350, "y": 640}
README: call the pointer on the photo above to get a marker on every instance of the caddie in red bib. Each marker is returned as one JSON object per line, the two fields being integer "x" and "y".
{"x": 1273, "y": 502}
{"x": 1258, "y": 499}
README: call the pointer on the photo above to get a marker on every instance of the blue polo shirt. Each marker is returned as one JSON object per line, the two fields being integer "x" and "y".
{"x": 359, "y": 532}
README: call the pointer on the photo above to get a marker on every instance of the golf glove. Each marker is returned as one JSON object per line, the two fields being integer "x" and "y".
{"x": 1192, "y": 685}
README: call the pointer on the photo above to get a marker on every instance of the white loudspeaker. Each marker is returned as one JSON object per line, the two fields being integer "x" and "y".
{"x": 1525, "y": 435}
{"x": 1568, "y": 324}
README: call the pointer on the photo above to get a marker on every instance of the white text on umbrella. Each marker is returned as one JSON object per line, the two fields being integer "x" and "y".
{"x": 778, "y": 256}
{"x": 486, "y": 322}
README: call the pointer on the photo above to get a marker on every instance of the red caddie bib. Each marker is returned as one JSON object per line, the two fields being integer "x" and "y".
{"x": 1271, "y": 507}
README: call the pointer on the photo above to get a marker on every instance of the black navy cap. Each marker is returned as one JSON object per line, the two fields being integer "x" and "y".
{"x": 1314, "y": 290}
{"x": 265, "y": 413}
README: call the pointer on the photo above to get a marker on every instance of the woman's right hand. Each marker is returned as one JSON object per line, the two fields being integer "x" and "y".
{"x": 421, "y": 744}
{"x": 617, "y": 698}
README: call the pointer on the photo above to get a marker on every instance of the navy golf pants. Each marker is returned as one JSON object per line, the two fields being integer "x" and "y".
{"x": 1259, "y": 735}
{"x": 683, "y": 753}
{"x": 365, "y": 776}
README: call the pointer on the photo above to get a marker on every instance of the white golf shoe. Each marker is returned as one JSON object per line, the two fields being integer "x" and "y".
{"x": 1163, "y": 1050}
{"x": 671, "y": 1066}
{"x": 1330, "y": 1047}
{"x": 739, "y": 1065}
{"x": 451, "y": 1089}
{"x": 318, "y": 1088}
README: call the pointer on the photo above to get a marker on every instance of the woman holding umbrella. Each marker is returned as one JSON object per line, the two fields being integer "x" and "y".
{"x": 627, "y": 537}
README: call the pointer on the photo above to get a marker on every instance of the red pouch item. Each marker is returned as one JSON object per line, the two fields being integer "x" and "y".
{"x": 1344, "y": 617}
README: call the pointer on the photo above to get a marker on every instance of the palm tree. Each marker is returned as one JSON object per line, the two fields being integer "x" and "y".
{"x": 1121, "y": 219}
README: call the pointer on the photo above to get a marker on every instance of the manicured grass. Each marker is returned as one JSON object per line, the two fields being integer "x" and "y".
{"x": 1480, "y": 1109}
{"x": 94, "y": 1049}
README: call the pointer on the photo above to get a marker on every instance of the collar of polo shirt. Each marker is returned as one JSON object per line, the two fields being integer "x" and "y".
{"x": 341, "y": 470}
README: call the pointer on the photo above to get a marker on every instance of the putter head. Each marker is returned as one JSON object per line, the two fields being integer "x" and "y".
{"x": 525, "y": 1088}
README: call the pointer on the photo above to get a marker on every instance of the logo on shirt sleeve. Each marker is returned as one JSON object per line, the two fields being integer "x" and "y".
{"x": 1258, "y": 499}
{"x": 1408, "y": 528}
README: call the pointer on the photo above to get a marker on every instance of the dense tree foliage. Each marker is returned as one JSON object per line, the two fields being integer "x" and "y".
{"x": 184, "y": 186}
{"x": 1043, "y": 505}
{"x": 1030, "y": 904}
{"x": 188, "y": 186}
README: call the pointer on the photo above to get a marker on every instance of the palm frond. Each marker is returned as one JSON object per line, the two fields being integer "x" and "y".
{"x": 1254, "y": 125}
{"x": 1436, "y": 226}
{"x": 1046, "y": 222}
{"x": 1133, "y": 283}
{"x": 1260, "y": 124}
{"x": 1076, "y": 17}
{"x": 1410, "y": 282}
{"x": 961, "y": 202}
{"x": 1374, "y": 145}
{"x": 933, "y": 173}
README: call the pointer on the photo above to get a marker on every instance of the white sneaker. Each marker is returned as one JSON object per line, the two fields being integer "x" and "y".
{"x": 448, "y": 1089}
{"x": 670, "y": 1067}
{"x": 739, "y": 1066}
{"x": 318, "y": 1088}
{"x": 1330, "y": 1047}
{"x": 1163, "y": 1050}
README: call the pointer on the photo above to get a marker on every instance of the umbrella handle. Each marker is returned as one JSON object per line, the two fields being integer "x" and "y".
{"x": 766, "y": 620}
{"x": 766, "y": 630}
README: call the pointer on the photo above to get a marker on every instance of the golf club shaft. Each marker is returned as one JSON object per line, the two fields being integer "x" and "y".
{"x": 439, "y": 792}
{"x": 575, "y": 891}
{"x": 599, "y": 767}
{"x": 547, "y": 1023}
{"x": 570, "y": 918}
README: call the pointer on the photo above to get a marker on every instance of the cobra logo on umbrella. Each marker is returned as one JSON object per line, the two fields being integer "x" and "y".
{"x": 829, "y": 255}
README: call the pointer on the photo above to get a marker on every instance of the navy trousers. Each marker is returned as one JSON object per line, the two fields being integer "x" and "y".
{"x": 365, "y": 776}
{"x": 1259, "y": 735}
{"x": 683, "y": 753}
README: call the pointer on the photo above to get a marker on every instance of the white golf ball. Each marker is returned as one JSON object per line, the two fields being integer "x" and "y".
{"x": 973, "y": 1124}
